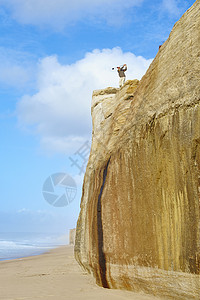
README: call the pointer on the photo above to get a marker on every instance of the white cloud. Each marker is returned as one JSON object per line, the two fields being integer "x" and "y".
{"x": 66, "y": 144}
{"x": 13, "y": 75}
{"x": 171, "y": 6}
{"x": 60, "y": 110}
{"x": 58, "y": 13}
{"x": 15, "y": 68}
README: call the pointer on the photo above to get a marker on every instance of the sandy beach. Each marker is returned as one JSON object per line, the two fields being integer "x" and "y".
{"x": 54, "y": 275}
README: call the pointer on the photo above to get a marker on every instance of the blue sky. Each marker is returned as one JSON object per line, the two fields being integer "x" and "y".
{"x": 53, "y": 54}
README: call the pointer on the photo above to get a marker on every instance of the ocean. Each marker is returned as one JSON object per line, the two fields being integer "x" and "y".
{"x": 17, "y": 245}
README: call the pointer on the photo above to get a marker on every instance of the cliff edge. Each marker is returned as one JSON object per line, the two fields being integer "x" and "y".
{"x": 139, "y": 225}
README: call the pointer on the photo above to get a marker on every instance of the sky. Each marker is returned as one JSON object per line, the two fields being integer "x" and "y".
{"x": 53, "y": 54}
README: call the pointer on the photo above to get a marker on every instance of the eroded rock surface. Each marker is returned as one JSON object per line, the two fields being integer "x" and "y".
{"x": 139, "y": 225}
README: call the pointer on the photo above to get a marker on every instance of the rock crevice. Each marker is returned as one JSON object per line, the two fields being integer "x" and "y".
{"x": 102, "y": 258}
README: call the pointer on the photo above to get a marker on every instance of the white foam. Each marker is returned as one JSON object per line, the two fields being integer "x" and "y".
{"x": 17, "y": 246}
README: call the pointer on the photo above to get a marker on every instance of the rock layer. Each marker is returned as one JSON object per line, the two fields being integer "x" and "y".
{"x": 139, "y": 225}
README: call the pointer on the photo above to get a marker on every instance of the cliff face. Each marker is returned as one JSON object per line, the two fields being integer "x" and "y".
{"x": 72, "y": 234}
{"x": 139, "y": 225}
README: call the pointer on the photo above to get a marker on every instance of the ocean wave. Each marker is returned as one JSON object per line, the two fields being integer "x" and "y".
{"x": 21, "y": 245}
{"x": 16, "y": 245}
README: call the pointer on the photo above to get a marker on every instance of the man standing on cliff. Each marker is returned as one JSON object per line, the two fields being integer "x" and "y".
{"x": 122, "y": 77}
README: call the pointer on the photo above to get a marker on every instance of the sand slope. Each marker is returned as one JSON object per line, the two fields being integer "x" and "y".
{"x": 54, "y": 275}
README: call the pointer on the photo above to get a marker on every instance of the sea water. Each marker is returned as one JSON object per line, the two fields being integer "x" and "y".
{"x": 18, "y": 245}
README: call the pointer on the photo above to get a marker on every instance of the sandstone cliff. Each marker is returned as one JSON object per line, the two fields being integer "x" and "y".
{"x": 139, "y": 225}
{"x": 72, "y": 234}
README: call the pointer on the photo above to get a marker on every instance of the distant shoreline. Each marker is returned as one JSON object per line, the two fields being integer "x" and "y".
{"x": 40, "y": 252}
{"x": 54, "y": 274}
{"x": 15, "y": 245}
{"x": 47, "y": 251}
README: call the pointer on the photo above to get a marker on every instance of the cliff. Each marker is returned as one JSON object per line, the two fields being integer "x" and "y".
{"x": 139, "y": 225}
{"x": 72, "y": 234}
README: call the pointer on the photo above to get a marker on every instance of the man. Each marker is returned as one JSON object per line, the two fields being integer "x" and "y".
{"x": 122, "y": 76}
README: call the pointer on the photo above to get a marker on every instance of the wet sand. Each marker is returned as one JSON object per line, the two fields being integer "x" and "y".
{"x": 54, "y": 275}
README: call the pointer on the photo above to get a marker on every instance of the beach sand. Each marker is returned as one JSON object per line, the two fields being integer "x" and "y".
{"x": 54, "y": 275}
